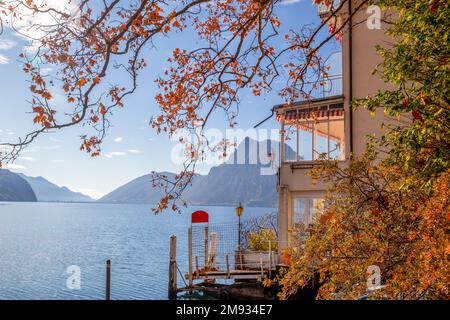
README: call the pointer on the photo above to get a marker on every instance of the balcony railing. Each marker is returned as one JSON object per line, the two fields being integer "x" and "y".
{"x": 323, "y": 9}
{"x": 320, "y": 89}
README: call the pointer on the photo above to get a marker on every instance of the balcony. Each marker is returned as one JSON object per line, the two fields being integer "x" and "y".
{"x": 319, "y": 90}
{"x": 312, "y": 128}
{"x": 323, "y": 10}
{"x": 313, "y": 133}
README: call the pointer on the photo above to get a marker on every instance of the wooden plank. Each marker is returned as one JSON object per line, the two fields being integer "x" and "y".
{"x": 224, "y": 276}
{"x": 235, "y": 274}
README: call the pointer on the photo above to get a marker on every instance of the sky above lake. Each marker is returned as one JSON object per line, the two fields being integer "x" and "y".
{"x": 132, "y": 148}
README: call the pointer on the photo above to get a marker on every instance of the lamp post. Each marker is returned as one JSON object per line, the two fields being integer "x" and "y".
{"x": 239, "y": 211}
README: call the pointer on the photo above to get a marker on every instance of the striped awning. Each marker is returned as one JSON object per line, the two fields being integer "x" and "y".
{"x": 324, "y": 112}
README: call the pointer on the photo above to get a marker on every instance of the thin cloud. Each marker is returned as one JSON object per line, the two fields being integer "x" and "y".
{"x": 118, "y": 139}
{"x": 9, "y": 132}
{"x": 4, "y": 59}
{"x": 289, "y": 2}
{"x": 13, "y": 166}
{"x": 115, "y": 154}
{"x": 34, "y": 24}
{"x": 54, "y": 139}
{"x": 134, "y": 151}
{"x": 54, "y": 147}
{"x": 58, "y": 161}
{"x": 7, "y": 44}
{"x": 30, "y": 159}
{"x": 39, "y": 148}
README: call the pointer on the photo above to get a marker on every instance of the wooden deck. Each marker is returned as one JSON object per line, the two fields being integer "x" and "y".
{"x": 234, "y": 274}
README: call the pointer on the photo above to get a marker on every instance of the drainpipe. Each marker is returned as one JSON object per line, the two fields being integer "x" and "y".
{"x": 350, "y": 55}
{"x": 261, "y": 122}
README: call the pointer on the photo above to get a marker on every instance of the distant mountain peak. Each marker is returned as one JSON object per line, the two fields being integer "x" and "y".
{"x": 237, "y": 180}
{"x": 259, "y": 152}
{"x": 47, "y": 191}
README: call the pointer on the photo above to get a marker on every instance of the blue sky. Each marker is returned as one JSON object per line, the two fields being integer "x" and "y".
{"x": 132, "y": 148}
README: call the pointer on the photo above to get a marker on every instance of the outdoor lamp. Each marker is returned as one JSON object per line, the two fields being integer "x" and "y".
{"x": 239, "y": 210}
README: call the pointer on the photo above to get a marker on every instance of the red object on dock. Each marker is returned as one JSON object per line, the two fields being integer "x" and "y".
{"x": 200, "y": 217}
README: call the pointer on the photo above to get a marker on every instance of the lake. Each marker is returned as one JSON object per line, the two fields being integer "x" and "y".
{"x": 40, "y": 241}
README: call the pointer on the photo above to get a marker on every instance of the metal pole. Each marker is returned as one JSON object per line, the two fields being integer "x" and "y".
{"x": 270, "y": 259}
{"x": 108, "y": 280}
{"x": 328, "y": 133}
{"x": 239, "y": 232}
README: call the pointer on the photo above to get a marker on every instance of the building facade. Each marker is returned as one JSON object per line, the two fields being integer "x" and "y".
{"x": 323, "y": 125}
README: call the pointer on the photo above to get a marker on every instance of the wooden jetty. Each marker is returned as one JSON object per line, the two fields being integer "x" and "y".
{"x": 210, "y": 263}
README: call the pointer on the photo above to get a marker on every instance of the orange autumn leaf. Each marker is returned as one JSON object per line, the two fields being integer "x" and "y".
{"x": 82, "y": 82}
{"x": 94, "y": 119}
{"x": 102, "y": 110}
{"x": 96, "y": 80}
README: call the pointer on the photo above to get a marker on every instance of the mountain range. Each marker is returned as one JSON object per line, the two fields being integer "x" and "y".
{"x": 19, "y": 187}
{"x": 224, "y": 185}
{"x": 47, "y": 191}
{"x": 245, "y": 178}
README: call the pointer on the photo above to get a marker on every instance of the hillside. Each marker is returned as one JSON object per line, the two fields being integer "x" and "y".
{"x": 47, "y": 191}
{"x": 15, "y": 188}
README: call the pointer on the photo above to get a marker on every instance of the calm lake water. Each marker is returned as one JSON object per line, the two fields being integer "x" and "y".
{"x": 39, "y": 241}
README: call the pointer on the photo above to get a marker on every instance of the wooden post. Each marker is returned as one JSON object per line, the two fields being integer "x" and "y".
{"x": 108, "y": 280}
{"x": 238, "y": 263}
{"x": 173, "y": 268}
{"x": 261, "y": 263}
{"x": 206, "y": 248}
{"x": 241, "y": 259}
{"x": 212, "y": 250}
{"x": 191, "y": 281}
{"x": 196, "y": 265}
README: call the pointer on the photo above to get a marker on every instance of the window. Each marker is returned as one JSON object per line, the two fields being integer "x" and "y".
{"x": 315, "y": 133}
{"x": 306, "y": 210}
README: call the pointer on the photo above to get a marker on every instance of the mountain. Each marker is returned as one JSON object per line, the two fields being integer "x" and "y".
{"x": 244, "y": 178}
{"x": 15, "y": 188}
{"x": 47, "y": 191}
{"x": 139, "y": 190}
{"x": 230, "y": 184}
